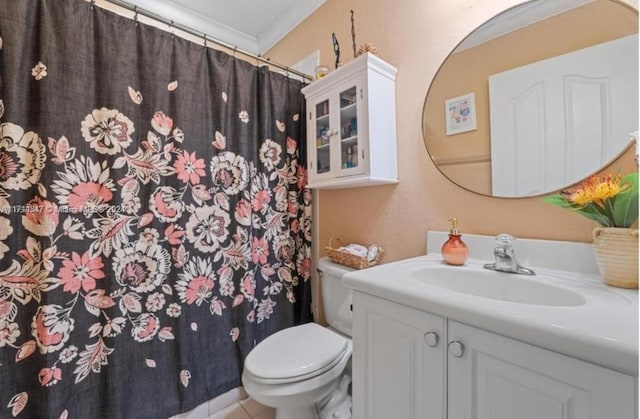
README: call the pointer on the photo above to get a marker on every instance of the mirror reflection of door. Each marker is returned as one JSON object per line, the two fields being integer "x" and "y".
{"x": 531, "y": 32}
{"x": 554, "y": 120}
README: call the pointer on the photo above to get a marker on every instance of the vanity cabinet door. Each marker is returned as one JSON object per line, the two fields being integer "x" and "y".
{"x": 494, "y": 377}
{"x": 399, "y": 361}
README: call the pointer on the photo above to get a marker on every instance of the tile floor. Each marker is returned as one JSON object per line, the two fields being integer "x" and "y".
{"x": 234, "y": 404}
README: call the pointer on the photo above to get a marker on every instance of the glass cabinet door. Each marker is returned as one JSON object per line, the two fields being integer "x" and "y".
{"x": 349, "y": 129}
{"x": 323, "y": 134}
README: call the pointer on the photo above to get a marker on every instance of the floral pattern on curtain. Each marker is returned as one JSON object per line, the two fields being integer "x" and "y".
{"x": 154, "y": 221}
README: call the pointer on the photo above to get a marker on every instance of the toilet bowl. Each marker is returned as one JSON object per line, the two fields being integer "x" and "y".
{"x": 297, "y": 367}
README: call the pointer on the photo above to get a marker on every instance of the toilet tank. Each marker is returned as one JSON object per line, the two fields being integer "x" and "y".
{"x": 336, "y": 298}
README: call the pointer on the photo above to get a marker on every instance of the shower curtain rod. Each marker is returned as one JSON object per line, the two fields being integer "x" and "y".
{"x": 207, "y": 38}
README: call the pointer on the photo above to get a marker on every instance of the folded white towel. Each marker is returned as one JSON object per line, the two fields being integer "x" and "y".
{"x": 355, "y": 249}
{"x": 372, "y": 252}
{"x": 361, "y": 251}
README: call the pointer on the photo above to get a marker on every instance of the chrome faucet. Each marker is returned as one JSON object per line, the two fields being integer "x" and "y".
{"x": 506, "y": 257}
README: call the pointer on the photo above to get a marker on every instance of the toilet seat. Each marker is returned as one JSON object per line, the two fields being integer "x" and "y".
{"x": 296, "y": 354}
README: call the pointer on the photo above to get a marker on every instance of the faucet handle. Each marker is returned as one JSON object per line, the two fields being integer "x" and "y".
{"x": 505, "y": 240}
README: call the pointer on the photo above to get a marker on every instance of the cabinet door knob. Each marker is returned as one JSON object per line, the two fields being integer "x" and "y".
{"x": 456, "y": 349}
{"x": 432, "y": 339}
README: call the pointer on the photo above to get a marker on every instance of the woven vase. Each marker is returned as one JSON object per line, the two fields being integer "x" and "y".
{"x": 616, "y": 252}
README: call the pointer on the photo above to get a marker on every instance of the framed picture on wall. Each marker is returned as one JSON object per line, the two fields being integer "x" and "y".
{"x": 460, "y": 113}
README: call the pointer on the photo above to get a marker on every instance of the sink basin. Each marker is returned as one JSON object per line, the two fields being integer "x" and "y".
{"x": 498, "y": 285}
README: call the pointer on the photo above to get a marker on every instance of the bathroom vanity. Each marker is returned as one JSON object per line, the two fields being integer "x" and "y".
{"x": 438, "y": 341}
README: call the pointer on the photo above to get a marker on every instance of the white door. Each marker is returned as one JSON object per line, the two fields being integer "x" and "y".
{"x": 556, "y": 121}
{"x": 494, "y": 377}
{"x": 399, "y": 361}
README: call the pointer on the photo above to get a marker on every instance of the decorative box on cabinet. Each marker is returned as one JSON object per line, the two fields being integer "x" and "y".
{"x": 351, "y": 130}
{"x": 414, "y": 365}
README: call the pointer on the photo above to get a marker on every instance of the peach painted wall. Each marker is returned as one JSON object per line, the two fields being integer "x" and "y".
{"x": 415, "y": 36}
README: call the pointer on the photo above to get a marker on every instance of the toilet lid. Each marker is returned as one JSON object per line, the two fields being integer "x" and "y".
{"x": 295, "y": 352}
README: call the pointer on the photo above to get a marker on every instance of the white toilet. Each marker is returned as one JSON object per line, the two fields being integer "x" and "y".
{"x": 297, "y": 367}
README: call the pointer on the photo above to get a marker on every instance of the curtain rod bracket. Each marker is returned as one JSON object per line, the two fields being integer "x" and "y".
{"x": 135, "y": 14}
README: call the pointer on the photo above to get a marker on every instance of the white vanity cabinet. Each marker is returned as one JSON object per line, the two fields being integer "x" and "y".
{"x": 351, "y": 125}
{"x": 401, "y": 371}
{"x": 494, "y": 377}
{"x": 399, "y": 358}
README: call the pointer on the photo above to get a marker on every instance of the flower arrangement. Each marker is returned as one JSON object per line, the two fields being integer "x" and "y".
{"x": 610, "y": 200}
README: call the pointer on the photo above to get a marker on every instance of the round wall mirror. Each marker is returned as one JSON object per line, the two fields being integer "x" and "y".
{"x": 537, "y": 98}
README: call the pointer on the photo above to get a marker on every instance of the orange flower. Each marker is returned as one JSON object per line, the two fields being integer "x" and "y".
{"x": 595, "y": 190}
{"x": 609, "y": 200}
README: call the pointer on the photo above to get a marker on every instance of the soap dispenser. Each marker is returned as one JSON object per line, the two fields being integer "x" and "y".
{"x": 454, "y": 251}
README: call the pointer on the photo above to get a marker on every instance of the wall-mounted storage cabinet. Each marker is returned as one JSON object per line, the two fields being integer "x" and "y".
{"x": 351, "y": 129}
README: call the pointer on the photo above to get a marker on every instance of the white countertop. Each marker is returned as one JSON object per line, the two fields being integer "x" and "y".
{"x": 603, "y": 331}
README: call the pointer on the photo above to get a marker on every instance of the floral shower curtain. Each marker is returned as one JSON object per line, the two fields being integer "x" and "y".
{"x": 154, "y": 224}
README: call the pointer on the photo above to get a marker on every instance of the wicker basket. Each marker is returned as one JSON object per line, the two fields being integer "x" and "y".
{"x": 348, "y": 259}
